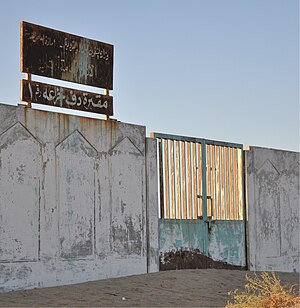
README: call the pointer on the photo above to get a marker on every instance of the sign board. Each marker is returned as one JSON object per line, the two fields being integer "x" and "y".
{"x": 57, "y": 96}
{"x": 56, "y": 54}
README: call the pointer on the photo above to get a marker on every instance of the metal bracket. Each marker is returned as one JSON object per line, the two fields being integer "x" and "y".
{"x": 207, "y": 197}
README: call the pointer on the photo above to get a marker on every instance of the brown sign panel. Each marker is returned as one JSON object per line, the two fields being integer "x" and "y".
{"x": 56, "y": 54}
{"x": 46, "y": 94}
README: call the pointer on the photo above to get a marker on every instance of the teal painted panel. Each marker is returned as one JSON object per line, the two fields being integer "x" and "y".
{"x": 199, "y": 244}
{"x": 177, "y": 235}
{"x": 226, "y": 242}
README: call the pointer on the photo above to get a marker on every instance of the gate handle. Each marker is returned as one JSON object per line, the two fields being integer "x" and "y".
{"x": 211, "y": 204}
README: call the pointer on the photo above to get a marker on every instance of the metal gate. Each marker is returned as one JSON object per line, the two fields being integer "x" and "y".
{"x": 202, "y": 213}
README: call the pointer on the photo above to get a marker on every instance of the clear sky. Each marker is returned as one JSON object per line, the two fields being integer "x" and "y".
{"x": 216, "y": 69}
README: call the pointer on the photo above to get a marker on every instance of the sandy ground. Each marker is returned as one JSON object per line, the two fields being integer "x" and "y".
{"x": 182, "y": 288}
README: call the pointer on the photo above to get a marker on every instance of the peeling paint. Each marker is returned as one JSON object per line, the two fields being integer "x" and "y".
{"x": 185, "y": 241}
{"x": 73, "y": 199}
{"x": 273, "y": 204}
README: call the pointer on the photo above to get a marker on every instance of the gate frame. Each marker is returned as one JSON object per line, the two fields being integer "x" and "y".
{"x": 203, "y": 143}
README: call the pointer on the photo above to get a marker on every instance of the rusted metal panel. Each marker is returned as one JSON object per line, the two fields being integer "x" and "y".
{"x": 172, "y": 171}
{"x": 227, "y": 205}
{"x": 189, "y": 182}
{"x": 213, "y": 182}
{"x": 166, "y": 178}
{"x": 222, "y": 184}
{"x": 199, "y": 159}
{"x": 240, "y": 183}
{"x": 161, "y": 178}
{"x": 57, "y": 96}
{"x": 60, "y": 55}
{"x": 178, "y": 182}
{"x": 231, "y": 181}
{"x": 205, "y": 232}
{"x": 195, "y": 205}
{"x": 183, "y": 181}
{"x": 218, "y": 184}
{"x": 235, "y": 154}
{"x": 220, "y": 169}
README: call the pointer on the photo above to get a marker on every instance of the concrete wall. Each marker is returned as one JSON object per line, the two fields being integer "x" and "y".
{"x": 272, "y": 178}
{"x": 75, "y": 202}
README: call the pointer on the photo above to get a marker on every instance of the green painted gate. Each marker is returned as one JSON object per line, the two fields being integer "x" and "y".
{"x": 202, "y": 212}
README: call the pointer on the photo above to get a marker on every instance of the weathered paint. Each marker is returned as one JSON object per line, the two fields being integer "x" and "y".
{"x": 206, "y": 198}
{"x": 176, "y": 236}
{"x": 56, "y": 54}
{"x": 76, "y": 160}
{"x": 73, "y": 199}
{"x": 152, "y": 205}
{"x": 182, "y": 244}
{"x": 57, "y": 96}
{"x": 19, "y": 199}
{"x": 273, "y": 209}
{"x": 226, "y": 242}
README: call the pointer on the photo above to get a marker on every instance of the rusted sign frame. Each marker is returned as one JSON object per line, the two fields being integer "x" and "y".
{"x": 57, "y": 96}
{"x": 55, "y": 54}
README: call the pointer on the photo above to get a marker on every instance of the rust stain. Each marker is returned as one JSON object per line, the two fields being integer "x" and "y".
{"x": 88, "y": 122}
{"x": 60, "y": 55}
{"x": 112, "y": 126}
{"x": 66, "y": 124}
{"x": 25, "y": 117}
{"x": 69, "y": 98}
{"x": 58, "y": 120}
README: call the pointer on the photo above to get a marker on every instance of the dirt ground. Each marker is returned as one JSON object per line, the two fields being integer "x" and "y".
{"x": 182, "y": 288}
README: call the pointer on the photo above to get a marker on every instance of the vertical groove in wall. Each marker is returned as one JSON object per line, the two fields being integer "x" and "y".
{"x": 245, "y": 210}
{"x": 57, "y": 192}
{"x": 109, "y": 167}
{"x": 95, "y": 192}
{"x": 147, "y": 175}
{"x": 39, "y": 223}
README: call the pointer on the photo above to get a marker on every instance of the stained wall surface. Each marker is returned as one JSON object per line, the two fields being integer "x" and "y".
{"x": 75, "y": 194}
{"x": 272, "y": 178}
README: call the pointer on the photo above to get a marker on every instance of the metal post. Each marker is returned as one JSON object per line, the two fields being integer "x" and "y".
{"x": 204, "y": 196}
{"x": 106, "y": 92}
{"x": 28, "y": 77}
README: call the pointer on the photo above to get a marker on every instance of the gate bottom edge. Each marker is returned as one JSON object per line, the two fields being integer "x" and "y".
{"x": 192, "y": 259}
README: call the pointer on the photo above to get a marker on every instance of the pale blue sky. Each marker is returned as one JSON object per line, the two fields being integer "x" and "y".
{"x": 217, "y": 69}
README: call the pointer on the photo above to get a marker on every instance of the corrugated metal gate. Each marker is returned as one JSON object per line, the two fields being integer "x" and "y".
{"x": 202, "y": 215}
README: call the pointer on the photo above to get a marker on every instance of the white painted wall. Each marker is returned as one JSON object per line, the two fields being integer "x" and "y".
{"x": 152, "y": 205}
{"x": 74, "y": 199}
{"x": 272, "y": 178}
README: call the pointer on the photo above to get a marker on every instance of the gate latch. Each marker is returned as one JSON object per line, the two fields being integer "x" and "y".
{"x": 209, "y": 221}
